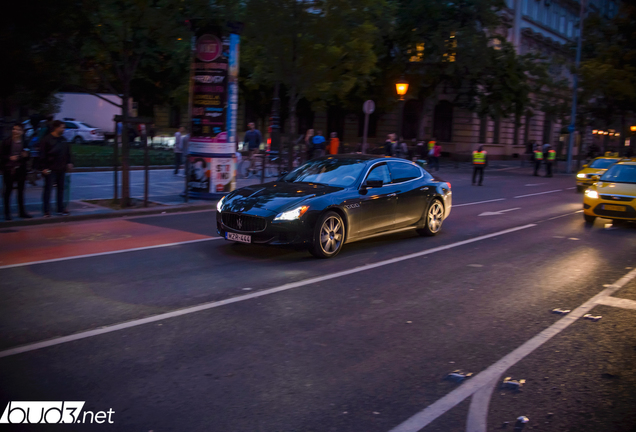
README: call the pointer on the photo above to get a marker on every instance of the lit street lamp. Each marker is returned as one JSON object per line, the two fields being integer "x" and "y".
{"x": 401, "y": 87}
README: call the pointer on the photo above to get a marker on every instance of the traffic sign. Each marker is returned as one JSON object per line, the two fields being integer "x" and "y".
{"x": 368, "y": 107}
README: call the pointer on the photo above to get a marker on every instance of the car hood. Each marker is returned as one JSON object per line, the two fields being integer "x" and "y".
{"x": 608, "y": 188}
{"x": 588, "y": 170}
{"x": 275, "y": 197}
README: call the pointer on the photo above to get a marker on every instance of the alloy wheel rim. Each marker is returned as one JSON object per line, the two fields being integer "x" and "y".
{"x": 435, "y": 214}
{"x": 331, "y": 235}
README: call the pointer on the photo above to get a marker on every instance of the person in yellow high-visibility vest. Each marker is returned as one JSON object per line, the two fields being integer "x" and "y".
{"x": 538, "y": 160}
{"x": 431, "y": 150}
{"x": 479, "y": 163}
{"x": 550, "y": 157}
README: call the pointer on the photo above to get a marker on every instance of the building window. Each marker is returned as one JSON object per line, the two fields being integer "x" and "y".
{"x": 443, "y": 121}
{"x": 483, "y": 129}
{"x": 497, "y": 130}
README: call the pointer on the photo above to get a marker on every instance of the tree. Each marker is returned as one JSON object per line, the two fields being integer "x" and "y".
{"x": 317, "y": 50}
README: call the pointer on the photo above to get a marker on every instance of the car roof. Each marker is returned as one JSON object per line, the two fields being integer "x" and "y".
{"x": 632, "y": 162}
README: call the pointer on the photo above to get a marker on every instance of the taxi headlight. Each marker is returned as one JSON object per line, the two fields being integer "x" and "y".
{"x": 292, "y": 214}
{"x": 580, "y": 175}
{"x": 219, "y": 205}
{"x": 591, "y": 194}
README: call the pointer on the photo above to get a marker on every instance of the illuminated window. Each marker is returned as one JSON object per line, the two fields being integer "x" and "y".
{"x": 418, "y": 55}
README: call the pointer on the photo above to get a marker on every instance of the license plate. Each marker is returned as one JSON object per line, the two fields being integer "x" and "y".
{"x": 613, "y": 207}
{"x": 238, "y": 237}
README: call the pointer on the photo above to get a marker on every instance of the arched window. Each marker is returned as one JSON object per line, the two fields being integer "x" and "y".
{"x": 443, "y": 121}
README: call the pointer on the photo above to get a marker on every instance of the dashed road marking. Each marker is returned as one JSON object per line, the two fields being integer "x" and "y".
{"x": 540, "y": 193}
{"x": 478, "y": 202}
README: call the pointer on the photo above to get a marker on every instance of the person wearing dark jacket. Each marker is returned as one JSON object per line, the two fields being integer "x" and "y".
{"x": 56, "y": 162}
{"x": 13, "y": 160}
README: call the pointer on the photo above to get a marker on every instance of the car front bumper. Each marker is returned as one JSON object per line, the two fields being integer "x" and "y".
{"x": 598, "y": 207}
{"x": 278, "y": 233}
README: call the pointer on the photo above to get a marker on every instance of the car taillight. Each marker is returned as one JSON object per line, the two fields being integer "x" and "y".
{"x": 449, "y": 186}
{"x": 93, "y": 132}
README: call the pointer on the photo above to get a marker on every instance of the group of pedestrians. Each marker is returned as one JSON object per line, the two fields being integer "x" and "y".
{"x": 541, "y": 155}
{"x": 316, "y": 145}
{"x": 54, "y": 160}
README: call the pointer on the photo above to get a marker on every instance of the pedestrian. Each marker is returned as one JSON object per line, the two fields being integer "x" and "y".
{"x": 13, "y": 160}
{"x": 400, "y": 149}
{"x": 319, "y": 143}
{"x": 538, "y": 160}
{"x": 178, "y": 149}
{"x": 334, "y": 143}
{"x": 480, "y": 161}
{"x": 550, "y": 157}
{"x": 56, "y": 162}
{"x": 389, "y": 144}
{"x": 308, "y": 142}
{"x": 252, "y": 140}
{"x": 152, "y": 132}
{"x": 430, "y": 150}
{"x": 437, "y": 153}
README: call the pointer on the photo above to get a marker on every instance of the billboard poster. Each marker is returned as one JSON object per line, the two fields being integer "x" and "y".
{"x": 199, "y": 174}
{"x": 232, "y": 87}
{"x": 223, "y": 174}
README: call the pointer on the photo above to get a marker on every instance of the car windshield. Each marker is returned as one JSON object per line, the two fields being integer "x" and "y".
{"x": 328, "y": 171}
{"x": 86, "y": 125}
{"x": 603, "y": 163}
{"x": 620, "y": 174}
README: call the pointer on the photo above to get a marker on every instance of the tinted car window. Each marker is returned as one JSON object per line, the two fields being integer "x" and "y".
{"x": 380, "y": 172}
{"x": 620, "y": 174}
{"x": 603, "y": 163}
{"x": 401, "y": 172}
{"x": 87, "y": 126}
{"x": 332, "y": 172}
{"x": 70, "y": 125}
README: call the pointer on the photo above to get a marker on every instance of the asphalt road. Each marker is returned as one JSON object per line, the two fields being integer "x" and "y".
{"x": 214, "y": 336}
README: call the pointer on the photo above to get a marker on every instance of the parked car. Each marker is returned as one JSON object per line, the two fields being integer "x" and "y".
{"x": 80, "y": 132}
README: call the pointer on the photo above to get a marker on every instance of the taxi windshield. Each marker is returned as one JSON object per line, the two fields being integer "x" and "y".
{"x": 620, "y": 174}
{"x": 328, "y": 171}
{"x": 603, "y": 163}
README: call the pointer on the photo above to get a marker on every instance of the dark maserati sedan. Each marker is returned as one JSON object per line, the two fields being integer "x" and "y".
{"x": 334, "y": 200}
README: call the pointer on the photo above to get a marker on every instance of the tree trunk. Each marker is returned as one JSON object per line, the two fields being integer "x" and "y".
{"x": 125, "y": 165}
{"x": 292, "y": 129}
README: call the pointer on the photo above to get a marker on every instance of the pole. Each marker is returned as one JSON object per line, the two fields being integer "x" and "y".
{"x": 575, "y": 81}
{"x": 186, "y": 167}
{"x": 116, "y": 161}
{"x": 401, "y": 120}
{"x": 365, "y": 133}
{"x": 144, "y": 137}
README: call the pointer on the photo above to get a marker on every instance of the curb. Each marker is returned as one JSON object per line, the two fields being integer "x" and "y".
{"x": 110, "y": 215}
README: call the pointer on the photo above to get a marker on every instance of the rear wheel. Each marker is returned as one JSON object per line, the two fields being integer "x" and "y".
{"x": 434, "y": 219}
{"x": 78, "y": 140}
{"x": 329, "y": 236}
{"x": 589, "y": 219}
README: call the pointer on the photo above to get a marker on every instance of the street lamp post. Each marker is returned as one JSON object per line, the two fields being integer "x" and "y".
{"x": 575, "y": 81}
{"x": 401, "y": 87}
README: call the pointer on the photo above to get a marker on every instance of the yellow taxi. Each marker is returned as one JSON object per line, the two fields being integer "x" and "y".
{"x": 597, "y": 167}
{"x": 612, "y": 195}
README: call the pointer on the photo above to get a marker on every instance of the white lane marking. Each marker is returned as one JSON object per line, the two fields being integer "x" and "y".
{"x": 496, "y": 370}
{"x": 166, "y": 213}
{"x": 500, "y": 212}
{"x": 478, "y": 202}
{"x": 211, "y": 305}
{"x": 539, "y": 193}
{"x": 477, "y": 420}
{"x": 570, "y": 188}
{"x": 106, "y": 253}
{"x": 618, "y": 302}
{"x": 535, "y": 184}
{"x": 475, "y": 265}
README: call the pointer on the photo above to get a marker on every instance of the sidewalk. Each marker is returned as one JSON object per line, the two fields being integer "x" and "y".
{"x": 164, "y": 191}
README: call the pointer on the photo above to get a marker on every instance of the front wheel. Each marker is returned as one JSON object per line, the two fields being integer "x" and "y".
{"x": 78, "y": 140}
{"x": 434, "y": 219}
{"x": 589, "y": 219}
{"x": 329, "y": 236}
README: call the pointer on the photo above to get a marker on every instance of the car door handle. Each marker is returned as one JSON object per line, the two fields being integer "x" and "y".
{"x": 392, "y": 194}
{"x": 424, "y": 188}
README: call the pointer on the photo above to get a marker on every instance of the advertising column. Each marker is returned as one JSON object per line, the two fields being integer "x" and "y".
{"x": 211, "y": 151}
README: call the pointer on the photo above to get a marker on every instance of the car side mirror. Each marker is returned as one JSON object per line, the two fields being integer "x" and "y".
{"x": 373, "y": 184}
{"x": 595, "y": 178}
{"x": 282, "y": 174}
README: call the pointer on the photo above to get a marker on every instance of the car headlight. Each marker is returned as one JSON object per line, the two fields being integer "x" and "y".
{"x": 591, "y": 194}
{"x": 292, "y": 214}
{"x": 581, "y": 176}
{"x": 219, "y": 205}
